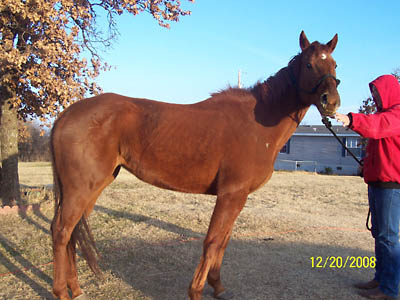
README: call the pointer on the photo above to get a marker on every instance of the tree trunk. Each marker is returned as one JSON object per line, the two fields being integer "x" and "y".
{"x": 9, "y": 184}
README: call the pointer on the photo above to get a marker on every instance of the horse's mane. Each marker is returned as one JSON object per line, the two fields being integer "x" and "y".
{"x": 272, "y": 89}
{"x": 269, "y": 91}
{"x": 231, "y": 90}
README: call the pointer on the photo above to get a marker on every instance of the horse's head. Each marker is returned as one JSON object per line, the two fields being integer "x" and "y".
{"x": 315, "y": 77}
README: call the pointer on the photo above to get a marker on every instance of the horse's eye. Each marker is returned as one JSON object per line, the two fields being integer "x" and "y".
{"x": 309, "y": 66}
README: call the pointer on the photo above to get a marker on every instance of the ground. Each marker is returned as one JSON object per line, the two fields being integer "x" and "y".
{"x": 301, "y": 236}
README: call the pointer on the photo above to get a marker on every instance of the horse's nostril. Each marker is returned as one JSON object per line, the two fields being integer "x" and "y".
{"x": 324, "y": 99}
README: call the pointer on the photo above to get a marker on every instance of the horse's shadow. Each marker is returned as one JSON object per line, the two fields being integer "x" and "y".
{"x": 136, "y": 218}
{"x": 21, "y": 263}
{"x": 14, "y": 251}
{"x": 253, "y": 268}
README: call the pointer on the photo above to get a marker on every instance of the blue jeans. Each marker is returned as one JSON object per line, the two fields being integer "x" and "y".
{"x": 385, "y": 218}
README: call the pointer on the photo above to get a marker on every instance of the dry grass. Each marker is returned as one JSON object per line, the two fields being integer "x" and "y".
{"x": 151, "y": 239}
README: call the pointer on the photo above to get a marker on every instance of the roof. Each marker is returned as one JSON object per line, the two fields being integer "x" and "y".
{"x": 321, "y": 130}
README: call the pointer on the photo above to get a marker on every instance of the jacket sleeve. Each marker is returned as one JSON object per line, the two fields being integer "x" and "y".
{"x": 379, "y": 125}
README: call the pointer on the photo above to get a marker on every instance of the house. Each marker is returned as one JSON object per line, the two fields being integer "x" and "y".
{"x": 313, "y": 148}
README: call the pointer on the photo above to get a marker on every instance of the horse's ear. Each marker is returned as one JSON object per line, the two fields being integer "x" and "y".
{"x": 304, "y": 43}
{"x": 333, "y": 42}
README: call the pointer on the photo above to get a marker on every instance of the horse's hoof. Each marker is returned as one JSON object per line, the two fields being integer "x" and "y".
{"x": 81, "y": 297}
{"x": 225, "y": 295}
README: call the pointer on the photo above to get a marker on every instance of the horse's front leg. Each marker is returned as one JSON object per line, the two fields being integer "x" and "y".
{"x": 227, "y": 208}
{"x": 214, "y": 275}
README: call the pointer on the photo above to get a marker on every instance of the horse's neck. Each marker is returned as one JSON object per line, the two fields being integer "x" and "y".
{"x": 288, "y": 125}
{"x": 279, "y": 110}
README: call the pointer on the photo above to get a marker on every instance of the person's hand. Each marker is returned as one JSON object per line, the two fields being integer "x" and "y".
{"x": 342, "y": 119}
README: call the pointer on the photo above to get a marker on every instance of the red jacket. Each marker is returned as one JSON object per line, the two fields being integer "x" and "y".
{"x": 382, "y": 161}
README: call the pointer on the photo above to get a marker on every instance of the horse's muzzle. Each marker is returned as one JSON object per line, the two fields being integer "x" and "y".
{"x": 328, "y": 109}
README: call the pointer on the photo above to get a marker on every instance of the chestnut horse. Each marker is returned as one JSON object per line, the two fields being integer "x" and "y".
{"x": 224, "y": 146}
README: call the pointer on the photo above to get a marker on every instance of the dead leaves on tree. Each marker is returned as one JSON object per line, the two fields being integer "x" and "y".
{"x": 49, "y": 49}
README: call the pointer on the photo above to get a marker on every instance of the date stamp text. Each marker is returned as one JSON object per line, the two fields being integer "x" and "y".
{"x": 339, "y": 262}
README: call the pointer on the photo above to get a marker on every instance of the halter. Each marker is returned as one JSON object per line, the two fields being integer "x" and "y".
{"x": 314, "y": 90}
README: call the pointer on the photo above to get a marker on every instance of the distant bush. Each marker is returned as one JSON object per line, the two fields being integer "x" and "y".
{"x": 33, "y": 144}
{"x": 327, "y": 171}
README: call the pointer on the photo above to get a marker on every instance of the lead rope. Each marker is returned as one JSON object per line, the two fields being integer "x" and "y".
{"x": 328, "y": 125}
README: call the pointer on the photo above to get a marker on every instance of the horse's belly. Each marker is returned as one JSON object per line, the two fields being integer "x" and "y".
{"x": 179, "y": 176}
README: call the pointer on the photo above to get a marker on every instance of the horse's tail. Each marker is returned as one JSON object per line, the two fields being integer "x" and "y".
{"x": 81, "y": 233}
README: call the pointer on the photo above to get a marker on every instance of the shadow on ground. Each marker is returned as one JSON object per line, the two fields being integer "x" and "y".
{"x": 253, "y": 268}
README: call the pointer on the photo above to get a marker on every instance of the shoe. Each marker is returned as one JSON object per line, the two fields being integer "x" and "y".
{"x": 375, "y": 294}
{"x": 367, "y": 285}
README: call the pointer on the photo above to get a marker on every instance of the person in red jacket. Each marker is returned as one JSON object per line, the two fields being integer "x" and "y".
{"x": 382, "y": 174}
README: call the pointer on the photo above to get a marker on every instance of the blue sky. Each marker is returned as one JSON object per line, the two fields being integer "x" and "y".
{"x": 203, "y": 52}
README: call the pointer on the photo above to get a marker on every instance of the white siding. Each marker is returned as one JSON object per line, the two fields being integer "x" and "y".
{"x": 324, "y": 150}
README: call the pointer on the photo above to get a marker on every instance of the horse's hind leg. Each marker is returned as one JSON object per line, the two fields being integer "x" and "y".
{"x": 62, "y": 227}
{"x": 226, "y": 210}
{"x": 72, "y": 275}
{"x": 75, "y": 205}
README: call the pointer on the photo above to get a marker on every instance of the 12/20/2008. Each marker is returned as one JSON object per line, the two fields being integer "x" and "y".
{"x": 339, "y": 262}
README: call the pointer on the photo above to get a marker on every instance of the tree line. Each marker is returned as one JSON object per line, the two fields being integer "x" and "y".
{"x": 33, "y": 143}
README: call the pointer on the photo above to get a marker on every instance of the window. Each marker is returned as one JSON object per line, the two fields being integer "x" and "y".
{"x": 354, "y": 145}
{"x": 286, "y": 148}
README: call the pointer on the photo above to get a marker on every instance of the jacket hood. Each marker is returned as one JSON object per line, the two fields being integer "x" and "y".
{"x": 389, "y": 90}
